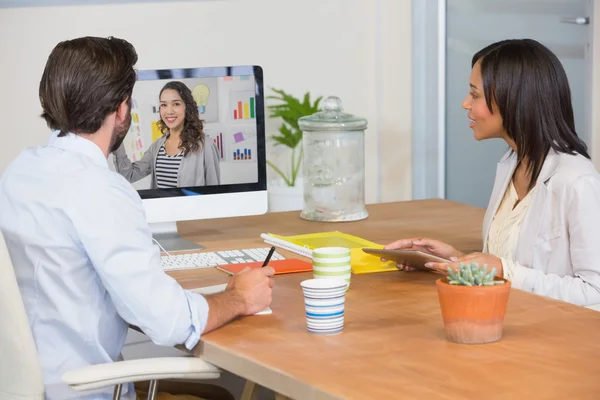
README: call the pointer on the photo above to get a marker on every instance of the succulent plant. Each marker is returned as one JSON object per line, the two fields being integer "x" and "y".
{"x": 473, "y": 275}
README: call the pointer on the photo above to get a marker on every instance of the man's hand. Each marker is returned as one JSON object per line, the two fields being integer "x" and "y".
{"x": 248, "y": 292}
{"x": 253, "y": 285}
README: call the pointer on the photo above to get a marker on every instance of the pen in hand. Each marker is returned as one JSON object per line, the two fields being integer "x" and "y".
{"x": 268, "y": 256}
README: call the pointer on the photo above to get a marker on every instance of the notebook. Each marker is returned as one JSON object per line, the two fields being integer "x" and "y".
{"x": 287, "y": 266}
{"x": 360, "y": 261}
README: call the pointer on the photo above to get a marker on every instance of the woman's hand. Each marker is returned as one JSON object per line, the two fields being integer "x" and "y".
{"x": 479, "y": 258}
{"x": 434, "y": 247}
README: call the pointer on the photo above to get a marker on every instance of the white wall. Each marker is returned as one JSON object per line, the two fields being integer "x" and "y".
{"x": 359, "y": 50}
{"x": 394, "y": 98}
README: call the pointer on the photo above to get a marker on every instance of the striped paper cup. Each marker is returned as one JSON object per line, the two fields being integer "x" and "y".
{"x": 332, "y": 262}
{"x": 324, "y": 301}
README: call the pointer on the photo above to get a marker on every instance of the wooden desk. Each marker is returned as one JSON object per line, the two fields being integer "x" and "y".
{"x": 393, "y": 345}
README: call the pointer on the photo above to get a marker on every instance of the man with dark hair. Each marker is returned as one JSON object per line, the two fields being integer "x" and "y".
{"x": 77, "y": 233}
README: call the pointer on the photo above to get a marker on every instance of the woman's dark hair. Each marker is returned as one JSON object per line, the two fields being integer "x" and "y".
{"x": 530, "y": 89}
{"x": 85, "y": 80}
{"x": 192, "y": 135}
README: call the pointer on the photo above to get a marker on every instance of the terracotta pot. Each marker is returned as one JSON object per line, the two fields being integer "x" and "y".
{"x": 473, "y": 314}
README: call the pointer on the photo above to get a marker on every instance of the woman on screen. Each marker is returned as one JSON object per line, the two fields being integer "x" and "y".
{"x": 542, "y": 224}
{"x": 181, "y": 157}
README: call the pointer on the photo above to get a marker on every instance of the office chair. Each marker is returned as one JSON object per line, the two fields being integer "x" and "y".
{"x": 21, "y": 373}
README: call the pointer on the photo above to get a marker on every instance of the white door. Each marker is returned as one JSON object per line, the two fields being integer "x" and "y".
{"x": 561, "y": 25}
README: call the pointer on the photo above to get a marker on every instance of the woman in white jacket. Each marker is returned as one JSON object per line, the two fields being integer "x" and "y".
{"x": 542, "y": 226}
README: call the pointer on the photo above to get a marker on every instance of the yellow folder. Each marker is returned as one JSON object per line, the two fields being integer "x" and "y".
{"x": 360, "y": 261}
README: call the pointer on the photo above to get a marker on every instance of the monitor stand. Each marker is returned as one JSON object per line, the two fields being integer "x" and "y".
{"x": 167, "y": 235}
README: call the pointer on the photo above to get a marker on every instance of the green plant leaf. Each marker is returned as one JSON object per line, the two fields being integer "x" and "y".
{"x": 290, "y": 109}
{"x": 288, "y": 137}
{"x": 285, "y": 179}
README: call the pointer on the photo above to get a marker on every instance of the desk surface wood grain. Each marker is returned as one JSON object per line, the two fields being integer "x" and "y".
{"x": 393, "y": 345}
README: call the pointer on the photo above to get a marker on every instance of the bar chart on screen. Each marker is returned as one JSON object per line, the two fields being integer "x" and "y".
{"x": 218, "y": 141}
{"x": 242, "y": 105}
{"x": 244, "y": 154}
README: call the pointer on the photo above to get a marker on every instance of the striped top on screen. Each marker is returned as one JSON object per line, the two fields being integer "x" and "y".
{"x": 167, "y": 168}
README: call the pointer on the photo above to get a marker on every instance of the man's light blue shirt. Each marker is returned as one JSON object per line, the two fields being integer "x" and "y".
{"x": 85, "y": 262}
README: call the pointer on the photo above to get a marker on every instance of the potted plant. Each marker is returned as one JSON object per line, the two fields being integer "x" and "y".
{"x": 289, "y": 108}
{"x": 473, "y": 303}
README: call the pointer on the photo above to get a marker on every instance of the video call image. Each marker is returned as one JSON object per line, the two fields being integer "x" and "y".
{"x": 227, "y": 107}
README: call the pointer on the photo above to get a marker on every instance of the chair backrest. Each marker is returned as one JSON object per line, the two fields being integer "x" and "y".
{"x": 20, "y": 370}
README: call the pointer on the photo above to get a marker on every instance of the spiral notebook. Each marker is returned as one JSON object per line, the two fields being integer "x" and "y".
{"x": 360, "y": 261}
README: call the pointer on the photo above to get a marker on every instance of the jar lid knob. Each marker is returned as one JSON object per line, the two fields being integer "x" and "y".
{"x": 332, "y": 103}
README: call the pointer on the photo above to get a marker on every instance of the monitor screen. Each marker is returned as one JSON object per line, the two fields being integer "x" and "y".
{"x": 220, "y": 113}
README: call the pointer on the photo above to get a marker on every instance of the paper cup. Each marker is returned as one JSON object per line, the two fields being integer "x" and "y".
{"x": 332, "y": 263}
{"x": 324, "y": 301}
{"x": 331, "y": 252}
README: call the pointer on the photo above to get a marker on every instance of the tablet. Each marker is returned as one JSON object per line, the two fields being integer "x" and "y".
{"x": 412, "y": 258}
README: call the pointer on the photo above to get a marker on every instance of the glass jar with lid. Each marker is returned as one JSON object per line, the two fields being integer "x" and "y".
{"x": 333, "y": 164}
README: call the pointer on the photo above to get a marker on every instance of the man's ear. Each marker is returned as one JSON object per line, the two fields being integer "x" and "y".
{"x": 123, "y": 110}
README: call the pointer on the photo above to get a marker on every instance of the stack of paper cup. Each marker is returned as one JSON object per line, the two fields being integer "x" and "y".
{"x": 324, "y": 300}
{"x": 332, "y": 262}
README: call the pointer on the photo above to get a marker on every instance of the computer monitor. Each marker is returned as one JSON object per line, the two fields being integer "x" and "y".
{"x": 229, "y": 179}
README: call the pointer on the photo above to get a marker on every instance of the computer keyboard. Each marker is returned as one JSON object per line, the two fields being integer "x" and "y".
{"x": 213, "y": 259}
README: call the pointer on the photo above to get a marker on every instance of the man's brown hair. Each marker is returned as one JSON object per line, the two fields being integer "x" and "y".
{"x": 84, "y": 81}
